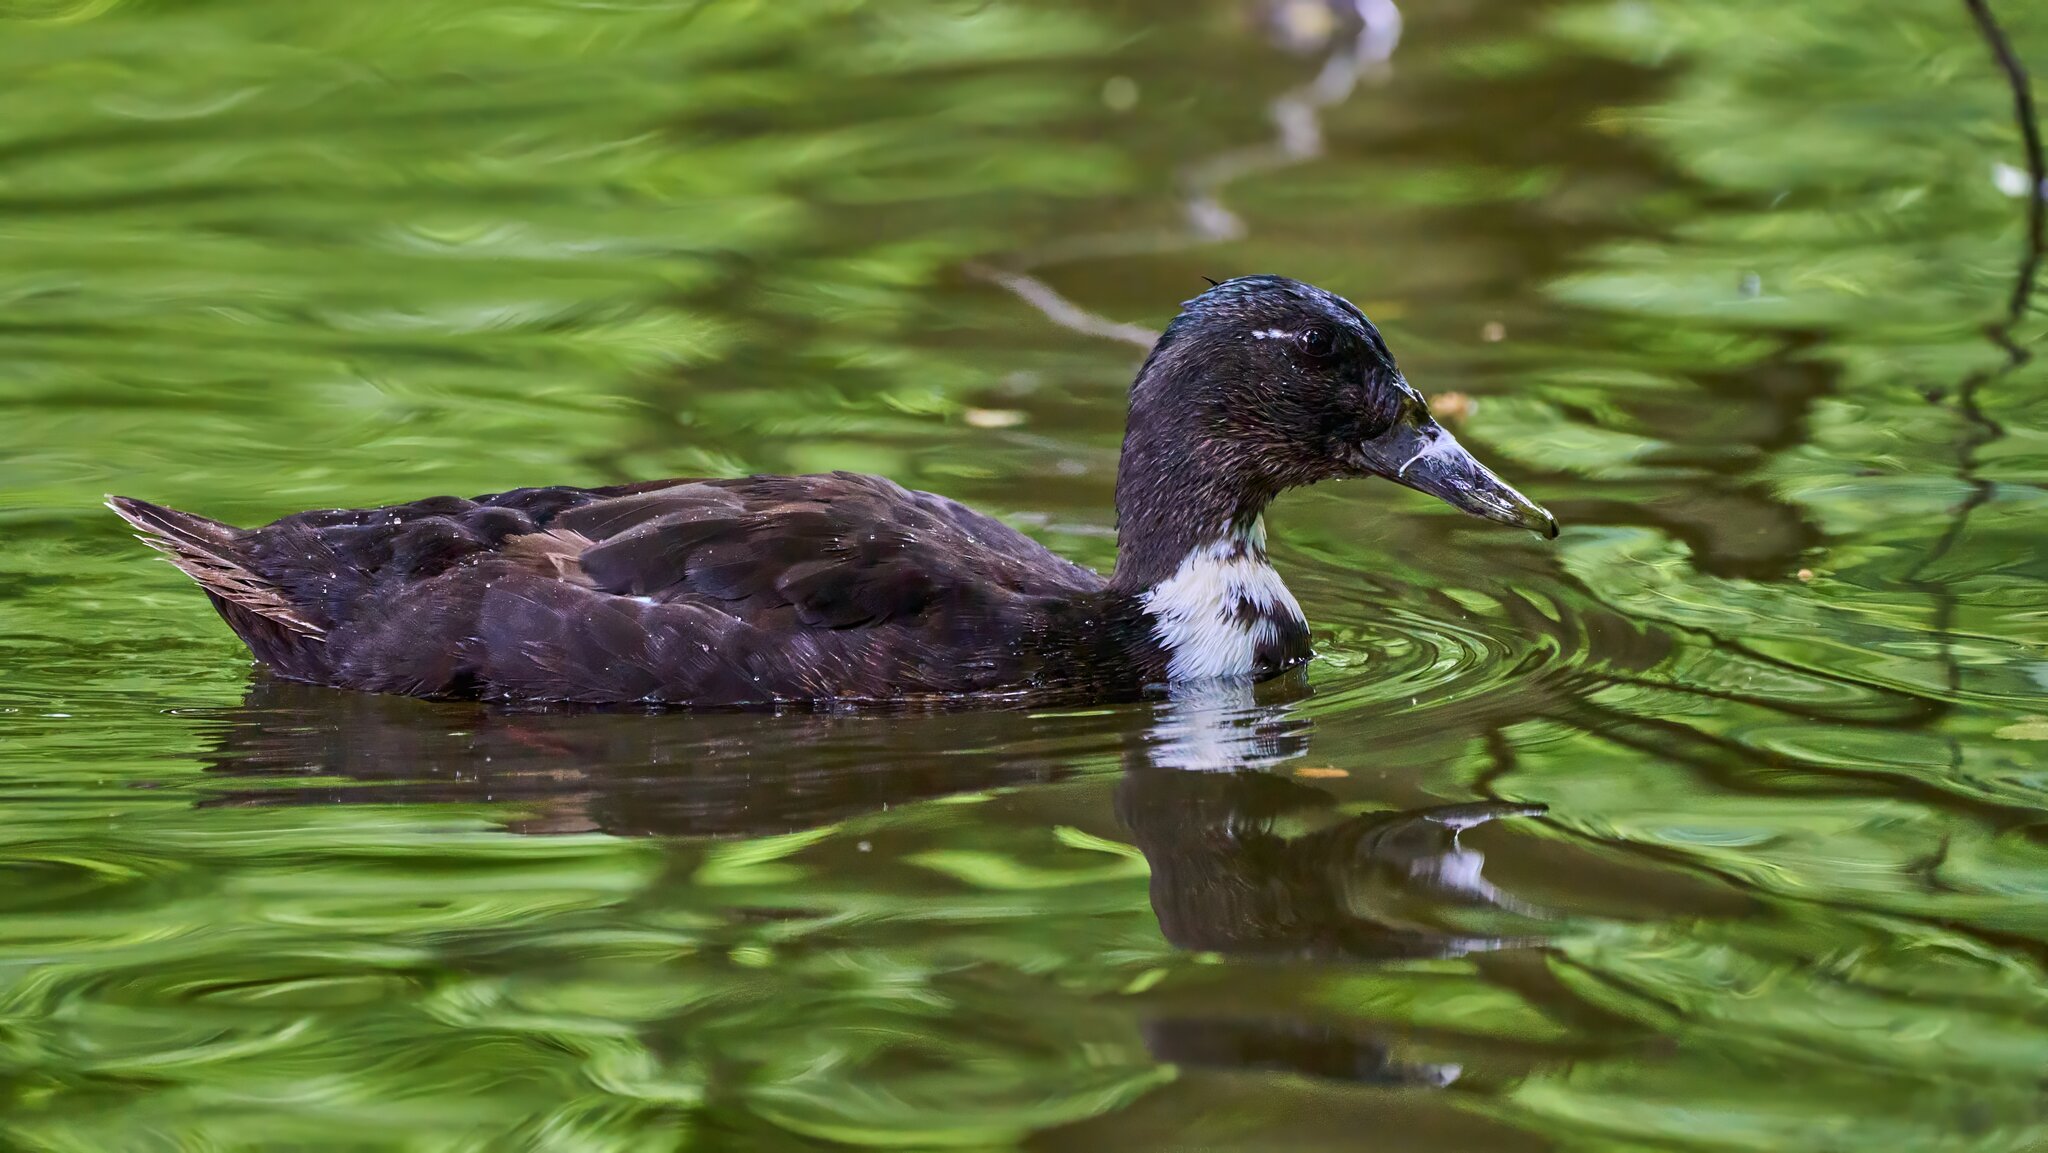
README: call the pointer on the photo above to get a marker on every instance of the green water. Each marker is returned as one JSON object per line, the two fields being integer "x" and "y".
{"x": 1718, "y": 276}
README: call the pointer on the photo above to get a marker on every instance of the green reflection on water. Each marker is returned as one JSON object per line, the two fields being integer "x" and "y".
{"x": 1718, "y": 277}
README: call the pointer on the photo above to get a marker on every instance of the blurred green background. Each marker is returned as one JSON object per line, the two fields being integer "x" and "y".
{"x": 1717, "y": 277}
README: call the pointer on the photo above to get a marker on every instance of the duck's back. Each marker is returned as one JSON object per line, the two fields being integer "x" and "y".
{"x": 751, "y": 590}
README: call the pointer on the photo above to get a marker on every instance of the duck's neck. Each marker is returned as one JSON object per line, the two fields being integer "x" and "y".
{"x": 1176, "y": 495}
{"x": 1191, "y": 549}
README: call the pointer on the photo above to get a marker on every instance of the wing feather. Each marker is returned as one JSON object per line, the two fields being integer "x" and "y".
{"x": 837, "y": 551}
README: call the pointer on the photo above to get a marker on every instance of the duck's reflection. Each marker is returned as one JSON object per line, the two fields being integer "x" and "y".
{"x": 1279, "y": 1045}
{"x": 1246, "y": 862}
{"x": 701, "y": 775}
{"x": 1212, "y": 818}
{"x": 1225, "y": 880}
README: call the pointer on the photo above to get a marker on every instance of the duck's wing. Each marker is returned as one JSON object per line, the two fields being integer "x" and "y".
{"x": 835, "y": 551}
{"x": 764, "y": 588}
{"x": 723, "y": 591}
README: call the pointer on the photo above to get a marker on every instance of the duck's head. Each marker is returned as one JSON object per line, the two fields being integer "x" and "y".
{"x": 1264, "y": 383}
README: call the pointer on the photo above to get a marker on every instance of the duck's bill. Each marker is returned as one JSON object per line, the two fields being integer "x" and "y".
{"x": 1419, "y": 453}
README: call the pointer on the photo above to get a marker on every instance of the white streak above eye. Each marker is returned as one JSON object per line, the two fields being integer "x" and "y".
{"x": 1271, "y": 334}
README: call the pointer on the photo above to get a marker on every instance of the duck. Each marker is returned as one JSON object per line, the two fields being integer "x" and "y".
{"x": 841, "y": 589}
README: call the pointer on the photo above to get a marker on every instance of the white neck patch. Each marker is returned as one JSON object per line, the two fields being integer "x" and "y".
{"x": 1219, "y": 606}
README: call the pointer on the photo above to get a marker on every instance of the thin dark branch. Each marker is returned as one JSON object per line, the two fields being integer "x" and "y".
{"x": 1983, "y": 428}
{"x": 2037, "y": 176}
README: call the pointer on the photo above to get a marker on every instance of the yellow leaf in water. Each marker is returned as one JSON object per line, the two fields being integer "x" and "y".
{"x": 993, "y": 417}
{"x": 2028, "y": 729}
{"x": 1320, "y": 773}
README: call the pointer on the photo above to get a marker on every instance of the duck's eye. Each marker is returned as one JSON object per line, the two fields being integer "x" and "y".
{"x": 1318, "y": 341}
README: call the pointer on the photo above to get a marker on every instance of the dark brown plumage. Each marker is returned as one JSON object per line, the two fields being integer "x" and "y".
{"x": 707, "y": 591}
{"x": 841, "y": 587}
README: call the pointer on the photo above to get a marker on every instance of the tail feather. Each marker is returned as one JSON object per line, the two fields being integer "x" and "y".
{"x": 206, "y": 551}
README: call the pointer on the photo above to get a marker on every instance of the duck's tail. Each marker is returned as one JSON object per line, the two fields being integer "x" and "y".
{"x": 210, "y": 552}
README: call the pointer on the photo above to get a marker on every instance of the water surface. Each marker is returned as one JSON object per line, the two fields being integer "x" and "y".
{"x": 1711, "y": 825}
